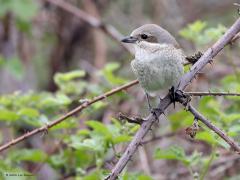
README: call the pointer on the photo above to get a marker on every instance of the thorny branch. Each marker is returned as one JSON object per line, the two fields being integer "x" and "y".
{"x": 184, "y": 82}
{"x": 210, "y": 94}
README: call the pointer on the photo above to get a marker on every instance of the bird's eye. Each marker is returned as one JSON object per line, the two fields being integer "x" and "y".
{"x": 144, "y": 36}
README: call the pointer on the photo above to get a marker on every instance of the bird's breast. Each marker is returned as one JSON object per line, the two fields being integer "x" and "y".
{"x": 158, "y": 71}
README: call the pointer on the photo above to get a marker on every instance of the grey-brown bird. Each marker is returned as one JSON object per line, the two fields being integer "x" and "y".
{"x": 158, "y": 63}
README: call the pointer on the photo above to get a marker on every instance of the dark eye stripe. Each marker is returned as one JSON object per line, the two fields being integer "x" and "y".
{"x": 144, "y": 36}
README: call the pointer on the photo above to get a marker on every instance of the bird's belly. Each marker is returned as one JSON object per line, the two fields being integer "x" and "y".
{"x": 154, "y": 78}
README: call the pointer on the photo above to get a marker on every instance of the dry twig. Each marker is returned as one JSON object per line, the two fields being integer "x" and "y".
{"x": 210, "y": 94}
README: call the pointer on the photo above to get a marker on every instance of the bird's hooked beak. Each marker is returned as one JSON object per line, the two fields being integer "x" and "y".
{"x": 129, "y": 39}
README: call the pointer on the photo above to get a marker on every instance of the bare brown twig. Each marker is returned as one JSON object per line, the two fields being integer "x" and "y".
{"x": 211, "y": 94}
{"x": 74, "y": 111}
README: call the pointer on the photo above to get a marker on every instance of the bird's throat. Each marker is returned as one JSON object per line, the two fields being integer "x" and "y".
{"x": 147, "y": 51}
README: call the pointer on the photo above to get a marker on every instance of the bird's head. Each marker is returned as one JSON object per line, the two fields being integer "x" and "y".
{"x": 150, "y": 34}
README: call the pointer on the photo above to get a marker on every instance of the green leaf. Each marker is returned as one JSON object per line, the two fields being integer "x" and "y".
{"x": 23, "y": 9}
{"x": 96, "y": 175}
{"x": 63, "y": 99}
{"x": 144, "y": 177}
{"x": 198, "y": 32}
{"x": 69, "y": 76}
{"x": 197, "y": 26}
{"x": 100, "y": 128}
{"x": 83, "y": 158}
{"x": 108, "y": 73}
{"x": 57, "y": 160}
{"x": 83, "y": 132}
{"x": 6, "y": 115}
{"x": 51, "y": 101}
{"x": 134, "y": 129}
{"x": 89, "y": 144}
{"x": 192, "y": 31}
{"x": 229, "y": 118}
{"x": 69, "y": 124}
{"x": 99, "y": 105}
{"x": 121, "y": 139}
{"x": 173, "y": 153}
{"x": 29, "y": 112}
{"x": 234, "y": 130}
{"x": 206, "y": 136}
{"x": 215, "y": 33}
{"x": 32, "y": 155}
{"x": 180, "y": 119}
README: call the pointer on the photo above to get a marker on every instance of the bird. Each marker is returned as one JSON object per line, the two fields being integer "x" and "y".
{"x": 158, "y": 62}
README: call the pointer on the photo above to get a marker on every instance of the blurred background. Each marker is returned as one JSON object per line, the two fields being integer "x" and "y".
{"x": 53, "y": 54}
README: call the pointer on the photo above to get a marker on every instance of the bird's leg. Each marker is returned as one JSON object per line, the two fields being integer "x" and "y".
{"x": 172, "y": 95}
{"x": 148, "y": 101}
{"x": 152, "y": 110}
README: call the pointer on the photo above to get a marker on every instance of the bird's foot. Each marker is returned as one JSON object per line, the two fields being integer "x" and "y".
{"x": 178, "y": 96}
{"x": 181, "y": 97}
{"x": 194, "y": 58}
{"x": 172, "y": 94}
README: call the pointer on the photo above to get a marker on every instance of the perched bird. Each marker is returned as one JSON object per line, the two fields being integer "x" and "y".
{"x": 158, "y": 63}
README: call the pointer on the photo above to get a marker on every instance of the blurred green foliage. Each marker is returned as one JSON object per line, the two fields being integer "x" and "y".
{"x": 23, "y": 10}
{"x": 200, "y": 34}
